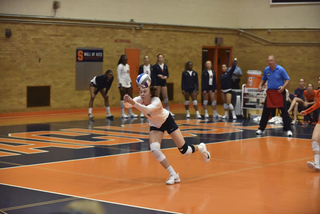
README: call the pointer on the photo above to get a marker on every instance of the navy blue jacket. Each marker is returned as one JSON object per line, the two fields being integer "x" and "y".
{"x": 189, "y": 82}
{"x": 225, "y": 79}
{"x": 153, "y": 75}
{"x": 164, "y": 72}
{"x": 299, "y": 93}
{"x": 103, "y": 82}
{"x": 205, "y": 80}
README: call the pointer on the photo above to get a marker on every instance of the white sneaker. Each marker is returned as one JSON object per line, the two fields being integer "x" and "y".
{"x": 206, "y": 115}
{"x": 198, "y": 116}
{"x": 188, "y": 116}
{"x": 313, "y": 166}
{"x": 172, "y": 114}
{"x": 173, "y": 179}
{"x": 90, "y": 116}
{"x": 132, "y": 115}
{"x": 217, "y": 115}
{"x": 294, "y": 122}
{"x": 109, "y": 115}
{"x": 205, "y": 154}
{"x": 124, "y": 116}
{"x": 289, "y": 133}
{"x": 225, "y": 117}
{"x": 142, "y": 115}
{"x": 234, "y": 117}
{"x": 259, "y": 132}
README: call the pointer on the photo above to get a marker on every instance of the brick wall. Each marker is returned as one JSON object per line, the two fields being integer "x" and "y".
{"x": 56, "y": 45}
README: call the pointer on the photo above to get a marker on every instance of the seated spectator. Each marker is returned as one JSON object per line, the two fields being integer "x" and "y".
{"x": 298, "y": 101}
{"x": 309, "y": 99}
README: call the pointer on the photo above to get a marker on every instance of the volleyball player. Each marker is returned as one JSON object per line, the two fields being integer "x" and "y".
{"x": 125, "y": 84}
{"x": 209, "y": 89}
{"x": 315, "y": 135}
{"x": 190, "y": 87}
{"x": 162, "y": 73}
{"x": 160, "y": 120}
{"x": 147, "y": 68}
{"x": 97, "y": 84}
{"x": 226, "y": 89}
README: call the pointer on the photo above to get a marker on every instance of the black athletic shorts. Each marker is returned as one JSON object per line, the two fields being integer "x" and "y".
{"x": 161, "y": 82}
{"x": 169, "y": 125}
{"x": 190, "y": 91}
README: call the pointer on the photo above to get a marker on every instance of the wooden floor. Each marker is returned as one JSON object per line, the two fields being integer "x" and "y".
{"x": 49, "y": 160}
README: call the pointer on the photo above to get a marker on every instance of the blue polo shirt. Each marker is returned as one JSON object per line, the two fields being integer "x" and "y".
{"x": 276, "y": 77}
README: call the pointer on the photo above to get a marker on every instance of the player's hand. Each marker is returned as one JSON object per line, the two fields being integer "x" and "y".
{"x": 215, "y": 91}
{"x": 305, "y": 104}
{"x": 128, "y": 99}
{"x": 303, "y": 113}
{"x": 165, "y": 77}
{"x": 183, "y": 92}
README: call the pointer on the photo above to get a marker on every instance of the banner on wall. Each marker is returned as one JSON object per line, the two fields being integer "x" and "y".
{"x": 86, "y": 55}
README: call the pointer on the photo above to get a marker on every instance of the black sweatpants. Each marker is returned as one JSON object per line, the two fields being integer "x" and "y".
{"x": 284, "y": 114}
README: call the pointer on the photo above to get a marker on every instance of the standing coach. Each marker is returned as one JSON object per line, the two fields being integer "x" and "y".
{"x": 278, "y": 80}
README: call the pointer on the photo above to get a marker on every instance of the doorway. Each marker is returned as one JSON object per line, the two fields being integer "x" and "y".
{"x": 218, "y": 56}
{"x": 133, "y": 56}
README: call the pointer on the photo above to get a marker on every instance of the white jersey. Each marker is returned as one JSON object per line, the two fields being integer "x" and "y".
{"x": 147, "y": 70}
{"x": 155, "y": 112}
{"x": 123, "y": 72}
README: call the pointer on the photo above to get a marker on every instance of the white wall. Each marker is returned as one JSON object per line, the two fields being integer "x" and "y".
{"x": 260, "y": 14}
{"x": 209, "y": 13}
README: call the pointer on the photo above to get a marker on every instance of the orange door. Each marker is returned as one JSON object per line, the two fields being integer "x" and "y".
{"x": 218, "y": 56}
{"x": 133, "y": 56}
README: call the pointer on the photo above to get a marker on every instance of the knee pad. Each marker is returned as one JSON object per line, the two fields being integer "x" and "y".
{"x": 214, "y": 103}
{"x": 195, "y": 102}
{"x": 231, "y": 107}
{"x": 315, "y": 146}
{"x": 225, "y": 106}
{"x": 166, "y": 100}
{"x": 205, "y": 102}
{"x": 156, "y": 151}
{"x": 186, "y": 102}
{"x": 186, "y": 150}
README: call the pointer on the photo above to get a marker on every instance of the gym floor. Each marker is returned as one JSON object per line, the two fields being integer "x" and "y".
{"x": 49, "y": 160}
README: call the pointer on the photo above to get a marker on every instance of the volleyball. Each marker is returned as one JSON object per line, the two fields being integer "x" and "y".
{"x": 143, "y": 80}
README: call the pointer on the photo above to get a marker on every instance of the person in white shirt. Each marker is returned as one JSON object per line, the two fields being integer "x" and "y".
{"x": 124, "y": 84}
{"x": 160, "y": 120}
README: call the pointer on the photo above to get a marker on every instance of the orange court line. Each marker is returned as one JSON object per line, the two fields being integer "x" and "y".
{"x": 31, "y": 147}
{"x": 35, "y": 136}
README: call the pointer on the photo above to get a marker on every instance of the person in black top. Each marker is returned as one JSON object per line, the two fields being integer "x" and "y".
{"x": 209, "y": 89}
{"x": 226, "y": 89}
{"x": 190, "y": 87}
{"x": 147, "y": 68}
{"x": 297, "y": 103}
{"x": 97, "y": 84}
{"x": 162, "y": 73}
